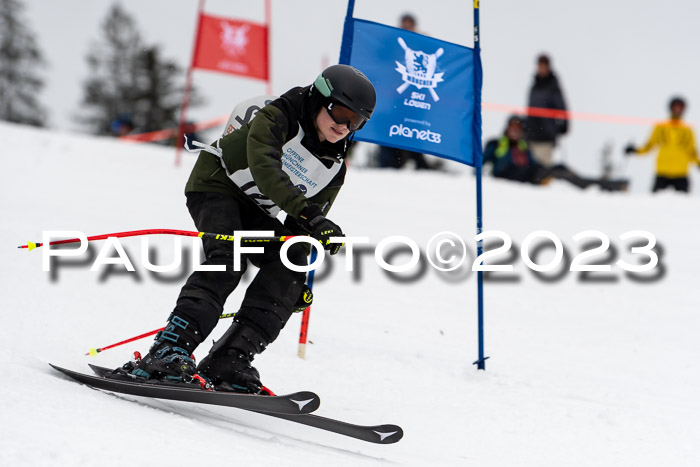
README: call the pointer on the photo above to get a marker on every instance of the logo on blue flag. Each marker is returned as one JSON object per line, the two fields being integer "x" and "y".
{"x": 425, "y": 89}
{"x": 419, "y": 70}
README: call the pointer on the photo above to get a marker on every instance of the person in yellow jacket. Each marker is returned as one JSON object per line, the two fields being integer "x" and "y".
{"x": 676, "y": 149}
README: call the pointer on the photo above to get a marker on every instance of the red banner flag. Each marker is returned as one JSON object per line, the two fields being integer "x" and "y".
{"x": 231, "y": 46}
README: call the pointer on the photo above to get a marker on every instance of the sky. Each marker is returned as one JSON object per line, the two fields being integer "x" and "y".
{"x": 615, "y": 57}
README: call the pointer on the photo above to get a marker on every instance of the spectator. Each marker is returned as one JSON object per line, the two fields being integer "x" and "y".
{"x": 511, "y": 156}
{"x": 543, "y": 132}
{"x": 190, "y": 132}
{"x": 677, "y": 149}
{"x": 122, "y": 125}
{"x": 512, "y": 159}
{"x": 408, "y": 22}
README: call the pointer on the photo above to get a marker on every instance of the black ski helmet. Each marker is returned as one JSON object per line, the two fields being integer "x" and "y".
{"x": 676, "y": 100}
{"x": 349, "y": 86}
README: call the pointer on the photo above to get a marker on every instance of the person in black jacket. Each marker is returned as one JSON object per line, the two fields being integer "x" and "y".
{"x": 289, "y": 157}
{"x": 543, "y": 130}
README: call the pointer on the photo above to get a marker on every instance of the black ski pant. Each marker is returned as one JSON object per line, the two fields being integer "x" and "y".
{"x": 269, "y": 299}
{"x": 679, "y": 183}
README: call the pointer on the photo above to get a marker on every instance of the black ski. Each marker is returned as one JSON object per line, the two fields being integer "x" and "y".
{"x": 296, "y": 403}
{"x": 380, "y": 434}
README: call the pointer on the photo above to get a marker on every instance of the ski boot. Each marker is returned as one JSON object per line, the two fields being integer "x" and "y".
{"x": 170, "y": 357}
{"x": 228, "y": 365}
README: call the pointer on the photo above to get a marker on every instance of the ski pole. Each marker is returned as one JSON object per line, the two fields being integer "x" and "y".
{"x": 185, "y": 233}
{"x": 94, "y": 351}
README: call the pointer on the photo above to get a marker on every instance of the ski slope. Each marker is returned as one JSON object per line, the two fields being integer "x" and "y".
{"x": 593, "y": 370}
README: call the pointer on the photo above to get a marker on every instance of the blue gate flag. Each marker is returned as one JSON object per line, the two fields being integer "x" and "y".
{"x": 428, "y": 90}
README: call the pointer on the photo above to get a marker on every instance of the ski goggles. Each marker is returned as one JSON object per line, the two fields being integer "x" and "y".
{"x": 344, "y": 116}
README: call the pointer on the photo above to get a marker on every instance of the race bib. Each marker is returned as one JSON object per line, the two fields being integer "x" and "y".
{"x": 305, "y": 170}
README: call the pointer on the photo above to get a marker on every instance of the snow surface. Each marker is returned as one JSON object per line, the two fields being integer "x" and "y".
{"x": 582, "y": 372}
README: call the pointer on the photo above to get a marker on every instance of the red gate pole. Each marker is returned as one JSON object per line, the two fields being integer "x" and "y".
{"x": 268, "y": 23}
{"x": 304, "y": 331}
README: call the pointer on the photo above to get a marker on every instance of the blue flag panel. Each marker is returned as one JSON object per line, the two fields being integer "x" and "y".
{"x": 428, "y": 93}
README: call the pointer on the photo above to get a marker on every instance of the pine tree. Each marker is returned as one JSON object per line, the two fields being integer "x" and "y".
{"x": 20, "y": 59}
{"x": 159, "y": 99}
{"x": 108, "y": 92}
{"x": 129, "y": 80}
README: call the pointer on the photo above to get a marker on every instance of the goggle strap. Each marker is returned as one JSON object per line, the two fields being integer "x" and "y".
{"x": 323, "y": 86}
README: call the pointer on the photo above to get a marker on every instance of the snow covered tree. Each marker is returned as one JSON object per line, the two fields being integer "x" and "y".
{"x": 20, "y": 60}
{"x": 129, "y": 81}
{"x": 158, "y": 99}
{"x": 108, "y": 92}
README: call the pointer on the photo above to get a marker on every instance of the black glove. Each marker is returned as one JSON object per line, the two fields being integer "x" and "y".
{"x": 312, "y": 220}
{"x": 630, "y": 149}
{"x": 304, "y": 301}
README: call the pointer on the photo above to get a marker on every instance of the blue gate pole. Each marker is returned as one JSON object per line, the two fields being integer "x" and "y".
{"x": 476, "y": 130}
{"x": 348, "y": 31}
{"x": 351, "y": 9}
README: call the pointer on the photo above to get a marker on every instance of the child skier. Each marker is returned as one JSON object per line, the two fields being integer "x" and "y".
{"x": 289, "y": 157}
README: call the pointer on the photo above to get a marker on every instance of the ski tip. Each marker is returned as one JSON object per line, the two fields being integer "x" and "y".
{"x": 58, "y": 368}
{"x": 388, "y": 434}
